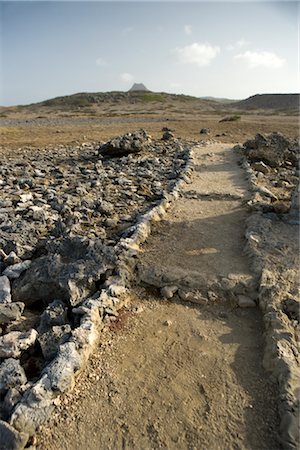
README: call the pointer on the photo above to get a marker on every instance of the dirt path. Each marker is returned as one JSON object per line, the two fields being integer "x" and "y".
{"x": 174, "y": 375}
{"x": 202, "y": 241}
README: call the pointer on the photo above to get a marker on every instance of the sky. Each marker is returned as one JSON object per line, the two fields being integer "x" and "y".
{"x": 220, "y": 49}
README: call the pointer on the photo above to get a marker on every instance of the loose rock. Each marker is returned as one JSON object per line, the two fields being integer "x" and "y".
{"x": 12, "y": 375}
{"x": 10, "y": 312}
{"x": 246, "y": 302}
{"x": 124, "y": 145}
{"x": 14, "y": 343}
{"x": 52, "y": 339}
{"x": 54, "y": 314}
{"x": 10, "y": 438}
{"x": 168, "y": 291}
{"x": 5, "y": 294}
{"x": 15, "y": 270}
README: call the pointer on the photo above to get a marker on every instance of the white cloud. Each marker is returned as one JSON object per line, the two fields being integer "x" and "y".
{"x": 237, "y": 45}
{"x": 101, "y": 62}
{"x": 126, "y": 77}
{"x": 188, "y": 29}
{"x": 261, "y": 59}
{"x": 197, "y": 53}
{"x": 127, "y": 31}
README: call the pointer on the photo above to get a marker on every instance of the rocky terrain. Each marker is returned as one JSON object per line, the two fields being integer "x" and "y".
{"x": 272, "y": 164}
{"x": 62, "y": 217}
{"x": 196, "y": 279}
{"x": 71, "y": 221}
{"x": 139, "y": 100}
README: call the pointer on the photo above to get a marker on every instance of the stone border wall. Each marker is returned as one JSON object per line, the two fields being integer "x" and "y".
{"x": 59, "y": 376}
{"x": 280, "y": 355}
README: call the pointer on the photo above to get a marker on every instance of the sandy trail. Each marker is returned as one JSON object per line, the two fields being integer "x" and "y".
{"x": 174, "y": 375}
{"x": 203, "y": 238}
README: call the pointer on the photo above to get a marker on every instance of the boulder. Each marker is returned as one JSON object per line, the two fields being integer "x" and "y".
{"x": 5, "y": 294}
{"x": 123, "y": 145}
{"x": 10, "y": 438}
{"x": 291, "y": 308}
{"x": 52, "y": 339}
{"x": 273, "y": 149}
{"x": 11, "y": 398}
{"x": 11, "y": 375}
{"x": 62, "y": 369}
{"x": 260, "y": 166}
{"x": 35, "y": 407}
{"x": 15, "y": 270}
{"x": 105, "y": 207}
{"x": 70, "y": 272}
{"x": 12, "y": 258}
{"x": 168, "y": 291}
{"x": 167, "y": 136}
{"x": 54, "y": 314}
{"x": 10, "y": 312}
{"x": 14, "y": 343}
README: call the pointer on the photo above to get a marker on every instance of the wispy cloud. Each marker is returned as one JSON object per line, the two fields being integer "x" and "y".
{"x": 197, "y": 53}
{"x": 127, "y": 31}
{"x": 101, "y": 62}
{"x": 126, "y": 77}
{"x": 261, "y": 59}
{"x": 188, "y": 29}
{"x": 237, "y": 45}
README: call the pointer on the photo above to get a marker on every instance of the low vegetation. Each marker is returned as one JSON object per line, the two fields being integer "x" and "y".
{"x": 233, "y": 118}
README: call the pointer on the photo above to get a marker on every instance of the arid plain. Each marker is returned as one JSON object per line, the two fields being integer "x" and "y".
{"x": 188, "y": 357}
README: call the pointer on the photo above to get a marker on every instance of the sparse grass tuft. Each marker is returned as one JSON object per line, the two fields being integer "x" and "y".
{"x": 152, "y": 97}
{"x": 233, "y": 118}
{"x": 9, "y": 130}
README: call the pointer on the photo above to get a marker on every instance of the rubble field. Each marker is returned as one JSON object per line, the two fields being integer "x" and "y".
{"x": 66, "y": 218}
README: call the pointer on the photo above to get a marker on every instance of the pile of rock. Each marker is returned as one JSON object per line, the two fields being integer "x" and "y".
{"x": 67, "y": 220}
{"x": 126, "y": 144}
{"x": 274, "y": 160}
{"x": 273, "y": 149}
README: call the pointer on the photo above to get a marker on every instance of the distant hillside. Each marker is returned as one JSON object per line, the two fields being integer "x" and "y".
{"x": 138, "y": 87}
{"x": 144, "y": 101}
{"x": 276, "y": 102}
{"x": 220, "y": 100}
{"x": 87, "y": 100}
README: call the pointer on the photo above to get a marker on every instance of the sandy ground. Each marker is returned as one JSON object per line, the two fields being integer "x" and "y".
{"x": 173, "y": 377}
{"x": 204, "y": 234}
{"x": 169, "y": 374}
{"x": 56, "y": 130}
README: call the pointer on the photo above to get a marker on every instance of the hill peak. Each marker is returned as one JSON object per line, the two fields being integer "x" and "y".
{"x": 138, "y": 87}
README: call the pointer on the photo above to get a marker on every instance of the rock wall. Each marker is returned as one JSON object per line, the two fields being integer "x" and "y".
{"x": 273, "y": 244}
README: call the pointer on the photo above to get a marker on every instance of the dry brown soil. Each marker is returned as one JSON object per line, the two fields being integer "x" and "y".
{"x": 186, "y": 126}
{"x": 172, "y": 375}
{"x": 175, "y": 377}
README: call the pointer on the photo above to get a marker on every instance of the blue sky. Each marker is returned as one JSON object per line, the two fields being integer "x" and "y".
{"x": 222, "y": 49}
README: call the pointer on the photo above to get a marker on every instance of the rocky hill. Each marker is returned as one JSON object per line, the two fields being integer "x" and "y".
{"x": 134, "y": 99}
{"x": 276, "y": 102}
{"x": 139, "y": 100}
{"x": 132, "y": 96}
{"x": 138, "y": 87}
